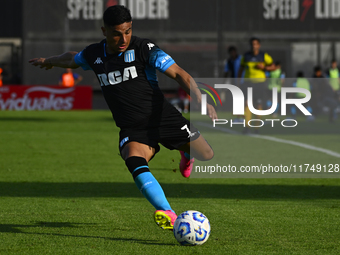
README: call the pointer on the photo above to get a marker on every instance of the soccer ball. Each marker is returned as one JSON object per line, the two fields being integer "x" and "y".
{"x": 192, "y": 228}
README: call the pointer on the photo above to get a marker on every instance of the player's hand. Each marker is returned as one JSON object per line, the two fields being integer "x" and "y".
{"x": 260, "y": 66}
{"x": 211, "y": 112}
{"x": 41, "y": 62}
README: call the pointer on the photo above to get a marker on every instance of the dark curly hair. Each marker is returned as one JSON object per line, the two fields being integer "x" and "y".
{"x": 116, "y": 15}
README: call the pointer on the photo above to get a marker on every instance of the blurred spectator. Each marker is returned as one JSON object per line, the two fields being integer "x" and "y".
{"x": 276, "y": 79}
{"x": 255, "y": 63}
{"x": 334, "y": 75}
{"x": 233, "y": 63}
{"x": 231, "y": 70}
{"x": 334, "y": 78}
{"x": 5, "y": 75}
{"x": 182, "y": 102}
{"x": 303, "y": 83}
{"x": 324, "y": 93}
{"x": 69, "y": 79}
{"x": 1, "y": 77}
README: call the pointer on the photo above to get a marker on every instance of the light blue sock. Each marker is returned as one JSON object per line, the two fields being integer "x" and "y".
{"x": 152, "y": 191}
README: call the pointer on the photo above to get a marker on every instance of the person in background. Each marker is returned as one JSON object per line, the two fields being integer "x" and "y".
{"x": 255, "y": 63}
{"x": 231, "y": 70}
{"x": 334, "y": 79}
{"x": 1, "y": 83}
{"x": 325, "y": 94}
{"x": 69, "y": 79}
{"x": 334, "y": 75}
{"x": 303, "y": 83}
{"x": 233, "y": 63}
{"x": 276, "y": 79}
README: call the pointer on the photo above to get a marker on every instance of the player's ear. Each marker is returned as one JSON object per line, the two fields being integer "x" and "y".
{"x": 103, "y": 30}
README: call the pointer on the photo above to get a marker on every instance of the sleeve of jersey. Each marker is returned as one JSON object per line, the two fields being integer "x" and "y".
{"x": 80, "y": 60}
{"x": 226, "y": 67}
{"x": 160, "y": 60}
{"x": 268, "y": 59}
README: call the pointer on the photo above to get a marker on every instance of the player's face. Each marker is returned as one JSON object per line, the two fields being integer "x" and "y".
{"x": 334, "y": 64}
{"x": 255, "y": 45}
{"x": 118, "y": 37}
{"x": 233, "y": 54}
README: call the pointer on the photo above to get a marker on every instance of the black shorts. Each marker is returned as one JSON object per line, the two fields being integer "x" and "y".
{"x": 173, "y": 131}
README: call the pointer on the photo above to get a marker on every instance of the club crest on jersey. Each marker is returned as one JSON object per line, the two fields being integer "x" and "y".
{"x": 129, "y": 56}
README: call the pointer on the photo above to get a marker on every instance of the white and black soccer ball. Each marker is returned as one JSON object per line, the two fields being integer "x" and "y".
{"x": 192, "y": 228}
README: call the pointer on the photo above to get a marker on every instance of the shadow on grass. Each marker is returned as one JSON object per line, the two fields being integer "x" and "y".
{"x": 17, "y": 228}
{"x": 24, "y": 119}
{"x": 181, "y": 190}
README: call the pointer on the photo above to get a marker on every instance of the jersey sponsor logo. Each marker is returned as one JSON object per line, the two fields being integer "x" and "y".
{"x": 166, "y": 58}
{"x": 98, "y": 61}
{"x": 150, "y": 45}
{"x": 116, "y": 77}
{"x": 129, "y": 56}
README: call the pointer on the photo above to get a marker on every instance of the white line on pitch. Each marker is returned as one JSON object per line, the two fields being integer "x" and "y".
{"x": 270, "y": 138}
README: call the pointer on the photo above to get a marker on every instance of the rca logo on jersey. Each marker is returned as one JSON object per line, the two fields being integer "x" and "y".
{"x": 129, "y": 56}
{"x": 116, "y": 77}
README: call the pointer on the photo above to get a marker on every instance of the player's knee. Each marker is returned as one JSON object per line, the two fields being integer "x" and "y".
{"x": 207, "y": 155}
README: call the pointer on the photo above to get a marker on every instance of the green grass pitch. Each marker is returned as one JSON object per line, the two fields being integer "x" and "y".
{"x": 65, "y": 190}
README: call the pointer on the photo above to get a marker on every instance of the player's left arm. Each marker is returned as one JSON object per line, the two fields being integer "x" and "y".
{"x": 189, "y": 85}
{"x": 77, "y": 78}
{"x": 65, "y": 60}
{"x": 269, "y": 63}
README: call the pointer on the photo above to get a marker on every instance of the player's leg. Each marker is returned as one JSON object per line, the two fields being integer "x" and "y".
{"x": 199, "y": 149}
{"x": 247, "y": 113}
{"x": 137, "y": 156}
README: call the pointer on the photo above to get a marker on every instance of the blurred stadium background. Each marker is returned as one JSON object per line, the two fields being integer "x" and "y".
{"x": 196, "y": 33}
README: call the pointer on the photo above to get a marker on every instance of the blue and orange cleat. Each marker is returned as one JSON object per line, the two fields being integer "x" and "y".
{"x": 185, "y": 166}
{"x": 165, "y": 219}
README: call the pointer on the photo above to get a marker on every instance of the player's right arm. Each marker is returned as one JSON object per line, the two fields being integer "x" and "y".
{"x": 65, "y": 60}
